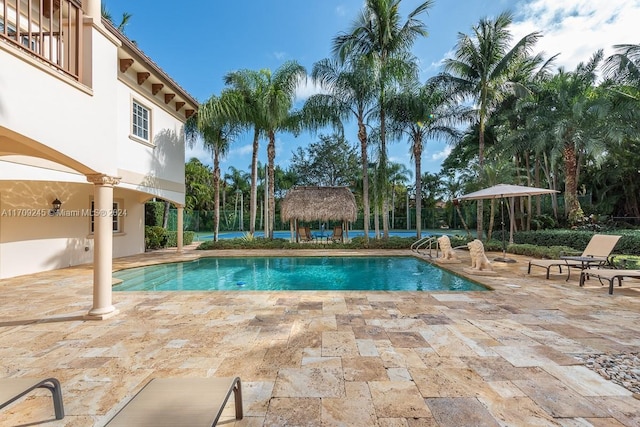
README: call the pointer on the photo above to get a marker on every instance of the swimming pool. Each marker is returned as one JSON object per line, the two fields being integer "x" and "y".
{"x": 294, "y": 273}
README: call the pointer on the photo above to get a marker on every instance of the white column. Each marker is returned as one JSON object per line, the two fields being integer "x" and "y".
{"x": 179, "y": 227}
{"x": 93, "y": 8}
{"x": 102, "y": 245}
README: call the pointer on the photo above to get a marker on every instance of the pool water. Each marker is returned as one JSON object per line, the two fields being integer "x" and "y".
{"x": 294, "y": 273}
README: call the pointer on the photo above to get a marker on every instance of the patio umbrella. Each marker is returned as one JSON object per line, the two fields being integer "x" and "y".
{"x": 501, "y": 191}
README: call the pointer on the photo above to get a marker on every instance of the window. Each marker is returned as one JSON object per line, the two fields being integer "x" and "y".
{"x": 140, "y": 121}
{"x": 117, "y": 214}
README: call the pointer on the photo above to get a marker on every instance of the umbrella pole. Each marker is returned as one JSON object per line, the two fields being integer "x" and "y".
{"x": 504, "y": 242}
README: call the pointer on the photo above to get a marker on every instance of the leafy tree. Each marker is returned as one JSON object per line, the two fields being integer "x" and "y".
{"x": 249, "y": 87}
{"x": 216, "y": 129}
{"x": 420, "y": 113}
{"x": 350, "y": 94}
{"x": 198, "y": 186}
{"x": 328, "y": 162}
{"x": 480, "y": 69}
{"x": 379, "y": 36}
{"x": 572, "y": 113}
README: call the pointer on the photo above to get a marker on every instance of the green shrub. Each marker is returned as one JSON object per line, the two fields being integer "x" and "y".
{"x": 153, "y": 213}
{"x": 577, "y": 240}
{"x": 154, "y": 237}
{"x": 172, "y": 238}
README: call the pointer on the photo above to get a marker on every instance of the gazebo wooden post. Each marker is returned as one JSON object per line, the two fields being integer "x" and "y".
{"x": 345, "y": 227}
{"x": 292, "y": 228}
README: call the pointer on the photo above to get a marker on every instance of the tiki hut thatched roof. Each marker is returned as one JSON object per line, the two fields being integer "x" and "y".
{"x": 319, "y": 203}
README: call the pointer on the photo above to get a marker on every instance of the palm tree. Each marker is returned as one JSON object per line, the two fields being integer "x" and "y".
{"x": 126, "y": 16}
{"x": 571, "y": 112}
{"x": 276, "y": 104}
{"x": 480, "y": 69}
{"x": 379, "y": 36}
{"x": 249, "y": 87}
{"x": 217, "y": 130}
{"x": 349, "y": 94}
{"x": 419, "y": 113}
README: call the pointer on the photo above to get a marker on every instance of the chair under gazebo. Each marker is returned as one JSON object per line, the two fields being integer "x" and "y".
{"x": 323, "y": 204}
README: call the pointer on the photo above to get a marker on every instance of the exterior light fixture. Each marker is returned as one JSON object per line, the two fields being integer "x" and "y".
{"x": 56, "y": 204}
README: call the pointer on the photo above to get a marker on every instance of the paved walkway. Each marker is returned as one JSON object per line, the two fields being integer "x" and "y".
{"x": 500, "y": 358}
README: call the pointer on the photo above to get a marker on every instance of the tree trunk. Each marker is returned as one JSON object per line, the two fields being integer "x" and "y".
{"x": 417, "y": 156}
{"x": 253, "y": 202}
{"x": 271, "y": 155}
{"x": 383, "y": 171}
{"x": 492, "y": 215}
{"x": 362, "y": 136}
{"x": 165, "y": 214}
{"x": 573, "y": 211}
{"x": 216, "y": 196}
{"x": 480, "y": 210}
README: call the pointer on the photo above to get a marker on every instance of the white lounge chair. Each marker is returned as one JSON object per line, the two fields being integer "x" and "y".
{"x": 596, "y": 253}
{"x": 609, "y": 274}
{"x": 12, "y": 389}
{"x": 192, "y": 402}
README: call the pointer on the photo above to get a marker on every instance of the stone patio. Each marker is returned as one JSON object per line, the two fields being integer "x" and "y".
{"x": 501, "y": 358}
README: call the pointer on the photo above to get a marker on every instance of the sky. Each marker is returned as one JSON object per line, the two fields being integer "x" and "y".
{"x": 199, "y": 42}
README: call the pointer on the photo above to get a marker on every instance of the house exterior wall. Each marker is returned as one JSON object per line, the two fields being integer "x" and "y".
{"x": 55, "y": 132}
{"x": 33, "y": 240}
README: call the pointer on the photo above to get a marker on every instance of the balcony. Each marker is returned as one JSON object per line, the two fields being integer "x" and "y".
{"x": 50, "y": 30}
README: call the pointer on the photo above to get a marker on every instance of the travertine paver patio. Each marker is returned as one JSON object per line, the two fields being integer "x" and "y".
{"x": 499, "y": 358}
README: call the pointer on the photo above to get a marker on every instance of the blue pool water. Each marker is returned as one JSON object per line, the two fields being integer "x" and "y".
{"x": 294, "y": 273}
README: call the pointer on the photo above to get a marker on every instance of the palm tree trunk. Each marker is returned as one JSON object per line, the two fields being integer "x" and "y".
{"x": 492, "y": 220}
{"x": 480, "y": 207}
{"x": 271, "y": 155}
{"x": 383, "y": 171}
{"x": 216, "y": 196}
{"x": 362, "y": 136}
{"x": 571, "y": 202}
{"x": 254, "y": 184}
{"x": 417, "y": 156}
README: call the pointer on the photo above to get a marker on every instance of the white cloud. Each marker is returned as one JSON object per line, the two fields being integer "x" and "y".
{"x": 240, "y": 151}
{"x": 280, "y": 56}
{"x": 441, "y": 155}
{"x": 306, "y": 88}
{"x": 578, "y": 28}
{"x": 341, "y": 10}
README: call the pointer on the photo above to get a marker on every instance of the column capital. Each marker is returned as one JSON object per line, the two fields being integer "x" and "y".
{"x": 102, "y": 179}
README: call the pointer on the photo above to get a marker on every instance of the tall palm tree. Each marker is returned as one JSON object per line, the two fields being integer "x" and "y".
{"x": 249, "y": 87}
{"x": 350, "y": 94}
{"x": 276, "y": 104}
{"x": 216, "y": 130}
{"x": 480, "y": 69}
{"x": 420, "y": 113}
{"x": 379, "y": 36}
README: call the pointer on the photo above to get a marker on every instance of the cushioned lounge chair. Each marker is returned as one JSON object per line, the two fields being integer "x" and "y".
{"x": 337, "y": 234}
{"x": 609, "y": 275}
{"x": 192, "y": 402}
{"x": 598, "y": 250}
{"x": 12, "y": 389}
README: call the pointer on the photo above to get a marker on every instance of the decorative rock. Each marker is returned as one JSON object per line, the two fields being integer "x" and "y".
{"x": 622, "y": 369}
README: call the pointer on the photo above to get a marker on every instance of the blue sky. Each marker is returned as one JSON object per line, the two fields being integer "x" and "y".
{"x": 198, "y": 43}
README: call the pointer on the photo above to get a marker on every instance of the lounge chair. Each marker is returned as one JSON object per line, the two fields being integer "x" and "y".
{"x": 12, "y": 389}
{"x": 610, "y": 275}
{"x": 304, "y": 234}
{"x": 337, "y": 235}
{"x": 190, "y": 402}
{"x": 597, "y": 253}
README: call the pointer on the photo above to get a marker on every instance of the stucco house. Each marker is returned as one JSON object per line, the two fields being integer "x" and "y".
{"x": 90, "y": 129}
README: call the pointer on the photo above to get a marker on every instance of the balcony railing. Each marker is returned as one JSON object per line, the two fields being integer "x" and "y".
{"x": 50, "y": 30}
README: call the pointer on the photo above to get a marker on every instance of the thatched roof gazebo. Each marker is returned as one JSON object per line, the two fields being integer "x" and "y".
{"x": 319, "y": 204}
